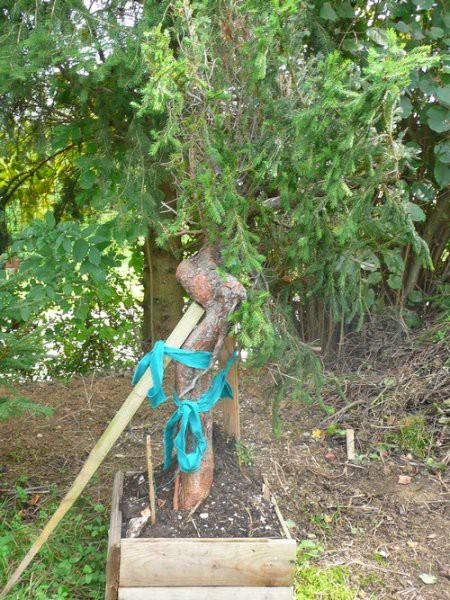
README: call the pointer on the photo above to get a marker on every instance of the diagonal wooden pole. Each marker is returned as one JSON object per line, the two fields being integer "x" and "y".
{"x": 105, "y": 443}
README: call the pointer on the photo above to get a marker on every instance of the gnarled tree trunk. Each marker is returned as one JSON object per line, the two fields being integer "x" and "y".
{"x": 219, "y": 295}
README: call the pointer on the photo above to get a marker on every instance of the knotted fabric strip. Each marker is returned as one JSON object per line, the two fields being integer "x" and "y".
{"x": 188, "y": 415}
{"x": 188, "y": 412}
{"x": 154, "y": 360}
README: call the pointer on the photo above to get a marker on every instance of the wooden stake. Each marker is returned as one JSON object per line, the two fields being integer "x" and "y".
{"x": 350, "y": 438}
{"x": 230, "y": 408}
{"x": 151, "y": 482}
{"x": 105, "y": 443}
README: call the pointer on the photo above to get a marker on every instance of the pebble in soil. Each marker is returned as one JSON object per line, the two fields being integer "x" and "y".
{"x": 235, "y": 507}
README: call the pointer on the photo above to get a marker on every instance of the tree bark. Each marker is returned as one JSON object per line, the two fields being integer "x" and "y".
{"x": 219, "y": 295}
{"x": 163, "y": 295}
{"x": 5, "y": 239}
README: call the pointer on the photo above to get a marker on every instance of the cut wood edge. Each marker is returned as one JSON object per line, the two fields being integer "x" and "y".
{"x": 114, "y": 537}
{"x": 107, "y": 440}
{"x": 206, "y": 593}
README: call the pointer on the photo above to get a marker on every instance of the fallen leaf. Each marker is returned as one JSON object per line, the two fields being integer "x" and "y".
{"x": 328, "y": 519}
{"x": 290, "y": 523}
{"x": 146, "y": 512}
{"x": 427, "y": 578}
{"x": 412, "y": 544}
{"x": 317, "y": 434}
{"x": 330, "y": 456}
{"x": 34, "y": 500}
{"x": 404, "y": 479}
{"x": 160, "y": 502}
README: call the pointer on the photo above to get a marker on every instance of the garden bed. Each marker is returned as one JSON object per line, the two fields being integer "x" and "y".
{"x": 235, "y": 544}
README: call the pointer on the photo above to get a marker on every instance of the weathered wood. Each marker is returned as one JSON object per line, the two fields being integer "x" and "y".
{"x": 230, "y": 407}
{"x": 105, "y": 443}
{"x": 219, "y": 295}
{"x": 179, "y": 562}
{"x": 350, "y": 439}
{"x": 151, "y": 481}
{"x": 207, "y": 593}
{"x": 114, "y": 535}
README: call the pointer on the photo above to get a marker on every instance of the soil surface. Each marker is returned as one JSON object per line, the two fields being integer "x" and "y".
{"x": 235, "y": 507}
{"x": 388, "y": 534}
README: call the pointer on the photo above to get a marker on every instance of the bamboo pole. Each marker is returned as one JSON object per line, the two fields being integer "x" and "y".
{"x": 105, "y": 443}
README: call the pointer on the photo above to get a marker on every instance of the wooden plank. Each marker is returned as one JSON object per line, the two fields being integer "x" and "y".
{"x": 230, "y": 408}
{"x": 188, "y": 562}
{"x": 107, "y": 440}
{"x": 207, "y": 593}
{"x": 114, "y": 535}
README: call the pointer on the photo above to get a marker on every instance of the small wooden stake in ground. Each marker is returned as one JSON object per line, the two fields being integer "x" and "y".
{"x": 105, "y": 443}
{"x": 350, "y": 437}
{"x": 151, "y": 482}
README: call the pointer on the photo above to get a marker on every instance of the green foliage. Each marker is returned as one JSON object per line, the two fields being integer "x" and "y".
{"x": 244, "y": 454}
{"x": 329, "y": 192}
{"x": 17, "y": 405}
{"x": 335, "y": 431}
{"x": 19, "y": 352}
{"x": 72, "y": 565}
{"x": 72, "y": 284}
{"x": 78, "y": 186}
{"x": 424, "y": 110}
{"x": 413, "y": 436}
{"x": 308, "y": 141}
{"x": 291, "y": 161}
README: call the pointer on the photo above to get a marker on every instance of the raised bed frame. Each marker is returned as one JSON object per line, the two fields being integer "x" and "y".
{"x": 197, "y": 568}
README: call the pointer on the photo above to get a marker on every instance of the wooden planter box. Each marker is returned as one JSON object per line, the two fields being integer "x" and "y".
{"x": 196, "y": 569}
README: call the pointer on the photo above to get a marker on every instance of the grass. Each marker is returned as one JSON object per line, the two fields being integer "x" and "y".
{"x": 71, "y": 565}
{"x": 326, "y": 583}
{"x": 413, "y": 436}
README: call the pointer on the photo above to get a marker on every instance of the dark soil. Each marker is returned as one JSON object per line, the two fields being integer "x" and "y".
{"x": 235, "y": 507}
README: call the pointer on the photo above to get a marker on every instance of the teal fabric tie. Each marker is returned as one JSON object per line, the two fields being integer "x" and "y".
{"x": 188, "y": 411}
{"x": 188, "y": 415}
{"x": 154, "y": 361}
